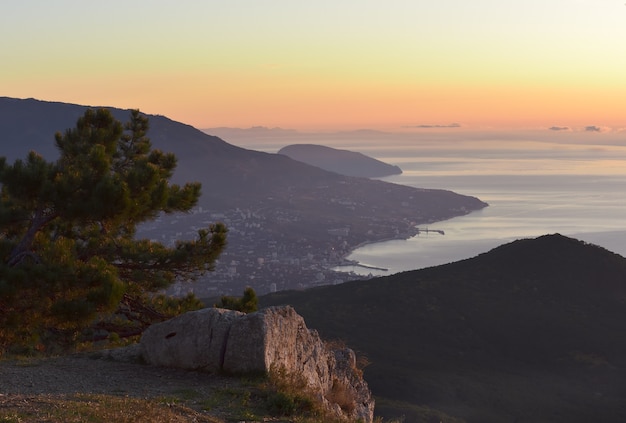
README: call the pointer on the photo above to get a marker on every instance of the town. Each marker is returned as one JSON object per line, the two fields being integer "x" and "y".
{"x": 259, "y": 255}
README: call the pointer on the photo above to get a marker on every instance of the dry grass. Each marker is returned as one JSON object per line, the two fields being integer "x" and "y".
{"x": 342, "y": 395}
{"x": 90, "y": 408}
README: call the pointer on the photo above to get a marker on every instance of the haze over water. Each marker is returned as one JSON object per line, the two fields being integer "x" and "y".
{"x": 536, "y": 183}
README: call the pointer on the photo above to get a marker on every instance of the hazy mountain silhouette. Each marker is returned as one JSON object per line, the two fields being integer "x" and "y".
{"x": 234, "y": 177}
{"x": 344, "y": 162}
{"x": 532, "y": 331}
{"x": 247, "y": 135}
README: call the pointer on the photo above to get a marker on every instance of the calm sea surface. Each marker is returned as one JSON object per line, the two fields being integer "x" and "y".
{"x": 575, "y": 187}
{"x": 588, "y": 207}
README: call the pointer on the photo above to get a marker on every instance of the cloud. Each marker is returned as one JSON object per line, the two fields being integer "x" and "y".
{"x": 451, "y": 125}
{"x": 589, "y": 128}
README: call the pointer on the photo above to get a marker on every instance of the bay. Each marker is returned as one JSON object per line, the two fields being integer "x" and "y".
{"x": 590, "y": 208}
{"x": 536, "y": 182}
{"x": 534, "y": 196}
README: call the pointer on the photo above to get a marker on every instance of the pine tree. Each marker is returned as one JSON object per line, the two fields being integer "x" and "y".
{"x": 248, "y": 303}
{"x": 68, "y": 250}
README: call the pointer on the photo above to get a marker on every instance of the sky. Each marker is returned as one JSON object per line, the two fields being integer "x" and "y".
{"x": 325, "y": 65}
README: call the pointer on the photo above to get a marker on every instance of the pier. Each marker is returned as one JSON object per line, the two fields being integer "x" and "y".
{"x": 439, "y": 231}
{"x": 367, "y": 266}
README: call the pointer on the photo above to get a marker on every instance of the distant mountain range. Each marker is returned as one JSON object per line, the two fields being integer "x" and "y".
{"x": 265, "y": 133}
{"x": 532, "y": 331}
{"x": 235, "y": 177}
{"x": 230, "y": 175}
{"x": 253, "y": 132}
{"x": 344, "y": 162}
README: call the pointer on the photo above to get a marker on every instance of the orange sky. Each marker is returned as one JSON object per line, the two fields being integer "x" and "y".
{"x": 325, "y": 65}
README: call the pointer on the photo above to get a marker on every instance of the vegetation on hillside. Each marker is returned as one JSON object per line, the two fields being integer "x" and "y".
{"x": 68, "y": 254}
{"x": 248, "y": 303}
{"x": 530, "y": 331}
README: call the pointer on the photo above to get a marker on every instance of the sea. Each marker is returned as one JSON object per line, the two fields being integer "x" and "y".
{"x": 536, "y": 182}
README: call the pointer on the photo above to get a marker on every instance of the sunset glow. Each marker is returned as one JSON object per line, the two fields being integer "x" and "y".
{"x": 325, "y": 65}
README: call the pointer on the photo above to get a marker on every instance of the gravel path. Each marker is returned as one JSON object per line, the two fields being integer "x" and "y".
{"x": 112, "y": 372}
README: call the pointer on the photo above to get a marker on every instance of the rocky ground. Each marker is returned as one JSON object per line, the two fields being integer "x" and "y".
{"x": 99, "y": 373}
{"x": 118, "y": 373}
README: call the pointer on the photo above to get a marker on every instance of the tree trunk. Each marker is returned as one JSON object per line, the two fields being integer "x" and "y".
{"x": 22, "y": 249}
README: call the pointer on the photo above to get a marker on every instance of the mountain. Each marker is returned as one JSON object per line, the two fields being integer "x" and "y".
{"x": 532, "y": 331}
{"x": 344, "y": 162}
{"x": 277, "y": 209}
{"x": 233, "y": 176}
{"x": 255, "y": 132}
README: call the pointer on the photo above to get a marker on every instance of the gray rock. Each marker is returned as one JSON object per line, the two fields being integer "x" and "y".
{"x": 194, "y": 341}
{"x": 274, "y": 338}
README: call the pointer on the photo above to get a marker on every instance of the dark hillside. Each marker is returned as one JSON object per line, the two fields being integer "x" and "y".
{"x": 532, "y": 331}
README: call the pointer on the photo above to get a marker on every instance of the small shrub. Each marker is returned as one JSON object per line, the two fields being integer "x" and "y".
{"x": 173, "y": 306}
{"x": 287, "y": 394}
{"x": 246, "y": 304}
{"x": 362, "y": 362}
{"x": 290, "y": 404}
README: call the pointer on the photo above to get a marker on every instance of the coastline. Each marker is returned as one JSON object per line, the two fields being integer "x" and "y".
{"x": 355, "y": 263}
{"x": 414, "y": 231}
{"x": 345, "y": 262}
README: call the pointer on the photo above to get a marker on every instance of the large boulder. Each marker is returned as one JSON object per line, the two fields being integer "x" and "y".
{"x": 275, "y": 338}
{"x": 194, "y": 341}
